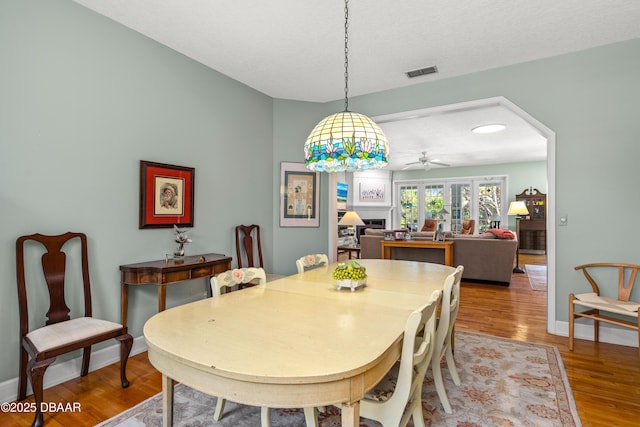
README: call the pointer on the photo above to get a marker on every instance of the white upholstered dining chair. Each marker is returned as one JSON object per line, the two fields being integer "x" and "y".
{"x": 444, "y": 336}
{"x": 237, "y": 278}
{"x": 395, "y": 408}
{"x": 309, "y": 262}
{"x": 227, "y": 281}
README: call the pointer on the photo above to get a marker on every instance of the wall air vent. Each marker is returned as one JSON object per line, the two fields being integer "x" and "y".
{"x": 422, "y": 72}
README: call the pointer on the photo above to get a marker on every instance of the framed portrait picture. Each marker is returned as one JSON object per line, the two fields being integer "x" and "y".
{"x": 299, "y": 196}
{"x": 389, "y": 235}
{"x": 166, "y": 195}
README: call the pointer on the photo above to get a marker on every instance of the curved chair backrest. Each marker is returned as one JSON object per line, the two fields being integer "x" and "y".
{"x": 417, "y": 351}
{"x": 449, "y": 311}
{"x": 444, "y": 336}
{"x": 247, "y": 247}
{"x": 309, "y": 262}
{"x": 240, "y": 277}
{"x": 54, "y": 268}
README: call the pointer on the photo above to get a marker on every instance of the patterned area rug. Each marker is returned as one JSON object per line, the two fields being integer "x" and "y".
{"x": 537, "y": 276}
{"x": 504, "y": 383}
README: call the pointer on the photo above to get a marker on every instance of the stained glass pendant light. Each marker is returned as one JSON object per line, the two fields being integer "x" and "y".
{"x": 346, "y": 141}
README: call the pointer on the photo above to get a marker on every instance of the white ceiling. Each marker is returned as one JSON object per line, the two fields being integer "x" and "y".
{"x": 445, "y": 134}
{"x": 293, "y": 49}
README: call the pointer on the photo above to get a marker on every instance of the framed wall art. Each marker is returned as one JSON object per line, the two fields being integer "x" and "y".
{"x": 299, "y": 196}
{"x": 166, "y": 195}
{"x": 371, "y": 190}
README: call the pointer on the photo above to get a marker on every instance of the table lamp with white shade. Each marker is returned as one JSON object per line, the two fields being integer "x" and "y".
{"x": 351, "y": 219}
{"x": 519, "y": 209}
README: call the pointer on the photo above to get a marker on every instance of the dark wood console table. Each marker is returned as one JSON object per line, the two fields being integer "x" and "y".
{"x": 165, "y": 272}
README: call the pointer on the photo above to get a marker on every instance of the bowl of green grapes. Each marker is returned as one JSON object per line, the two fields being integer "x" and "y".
{"x": 350, "y": 275}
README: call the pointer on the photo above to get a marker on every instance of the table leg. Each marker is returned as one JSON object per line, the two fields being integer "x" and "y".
{"x": 167, "y": 401}
{"x": 124, "y": 300}
{"x": 350, "y": 414}
{"x": 448, "y": 256}
{"x": 162, "y": 297}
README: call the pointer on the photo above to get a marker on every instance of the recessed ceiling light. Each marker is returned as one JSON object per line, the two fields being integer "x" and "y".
{"x": 495, "y": 127}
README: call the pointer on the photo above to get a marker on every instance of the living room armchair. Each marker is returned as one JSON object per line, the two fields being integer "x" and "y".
{"x": 468, "y": 226}
{"x": 430, "y": 225}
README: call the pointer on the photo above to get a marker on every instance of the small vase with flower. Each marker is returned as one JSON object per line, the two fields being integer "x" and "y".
{"x": 181, "y": 239}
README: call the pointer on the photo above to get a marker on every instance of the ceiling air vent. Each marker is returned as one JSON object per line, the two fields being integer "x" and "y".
{"x": 422, "y": 72}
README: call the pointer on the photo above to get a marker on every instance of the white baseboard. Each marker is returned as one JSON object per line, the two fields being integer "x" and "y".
{"x": 608, "y": 334}
{"x": 64, "y": 371}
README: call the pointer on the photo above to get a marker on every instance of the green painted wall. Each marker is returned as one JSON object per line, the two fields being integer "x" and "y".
{"x": 293, "y": 120}
{"x": 82, "y": 101}
{"x": 589, "y": 100}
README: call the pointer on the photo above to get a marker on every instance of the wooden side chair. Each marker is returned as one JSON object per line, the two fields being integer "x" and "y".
{"x": 40, "y": 345}
{"x": 394, "y": 406}
{"x": 248, "y": 245}
{"x": 309, "y": 262}
{"x": 444, "y": 336}
{"x": 599, "y": 307}
{"x": 249, "y": 249}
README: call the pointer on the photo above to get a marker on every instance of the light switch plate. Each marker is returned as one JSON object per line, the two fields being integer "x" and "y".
{"x": 564, "y": 220}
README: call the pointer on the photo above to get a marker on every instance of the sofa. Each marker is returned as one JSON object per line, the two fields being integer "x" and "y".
{"x": 486, "y": 257}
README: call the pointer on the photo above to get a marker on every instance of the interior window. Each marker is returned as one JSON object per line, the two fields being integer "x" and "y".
{"x": 434, "y": 202}
{"x": 460, "y": 205}
{"x": 450, "y": 201}
{"x": 489, "y": 204}
{"x": 408, "y": 203}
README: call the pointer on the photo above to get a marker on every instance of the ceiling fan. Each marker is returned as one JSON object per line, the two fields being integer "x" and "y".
{"x": 425, "y": 161}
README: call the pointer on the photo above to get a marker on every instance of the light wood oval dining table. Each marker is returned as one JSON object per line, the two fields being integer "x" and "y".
{"x": 294, "y": 342}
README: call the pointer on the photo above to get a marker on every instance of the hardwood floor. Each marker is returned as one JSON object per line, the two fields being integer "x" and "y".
{"x": 605, "y": 378}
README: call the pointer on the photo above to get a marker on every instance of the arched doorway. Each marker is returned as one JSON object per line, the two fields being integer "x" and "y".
{"x": 482, "y": 107}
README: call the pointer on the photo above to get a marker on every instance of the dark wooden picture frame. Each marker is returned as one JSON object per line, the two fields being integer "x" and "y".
{"x": 166, "y": 195}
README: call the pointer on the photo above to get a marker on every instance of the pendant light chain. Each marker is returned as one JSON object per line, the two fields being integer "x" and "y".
{"x": 346, "y": 55}
{"x": 346, "y": 141}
